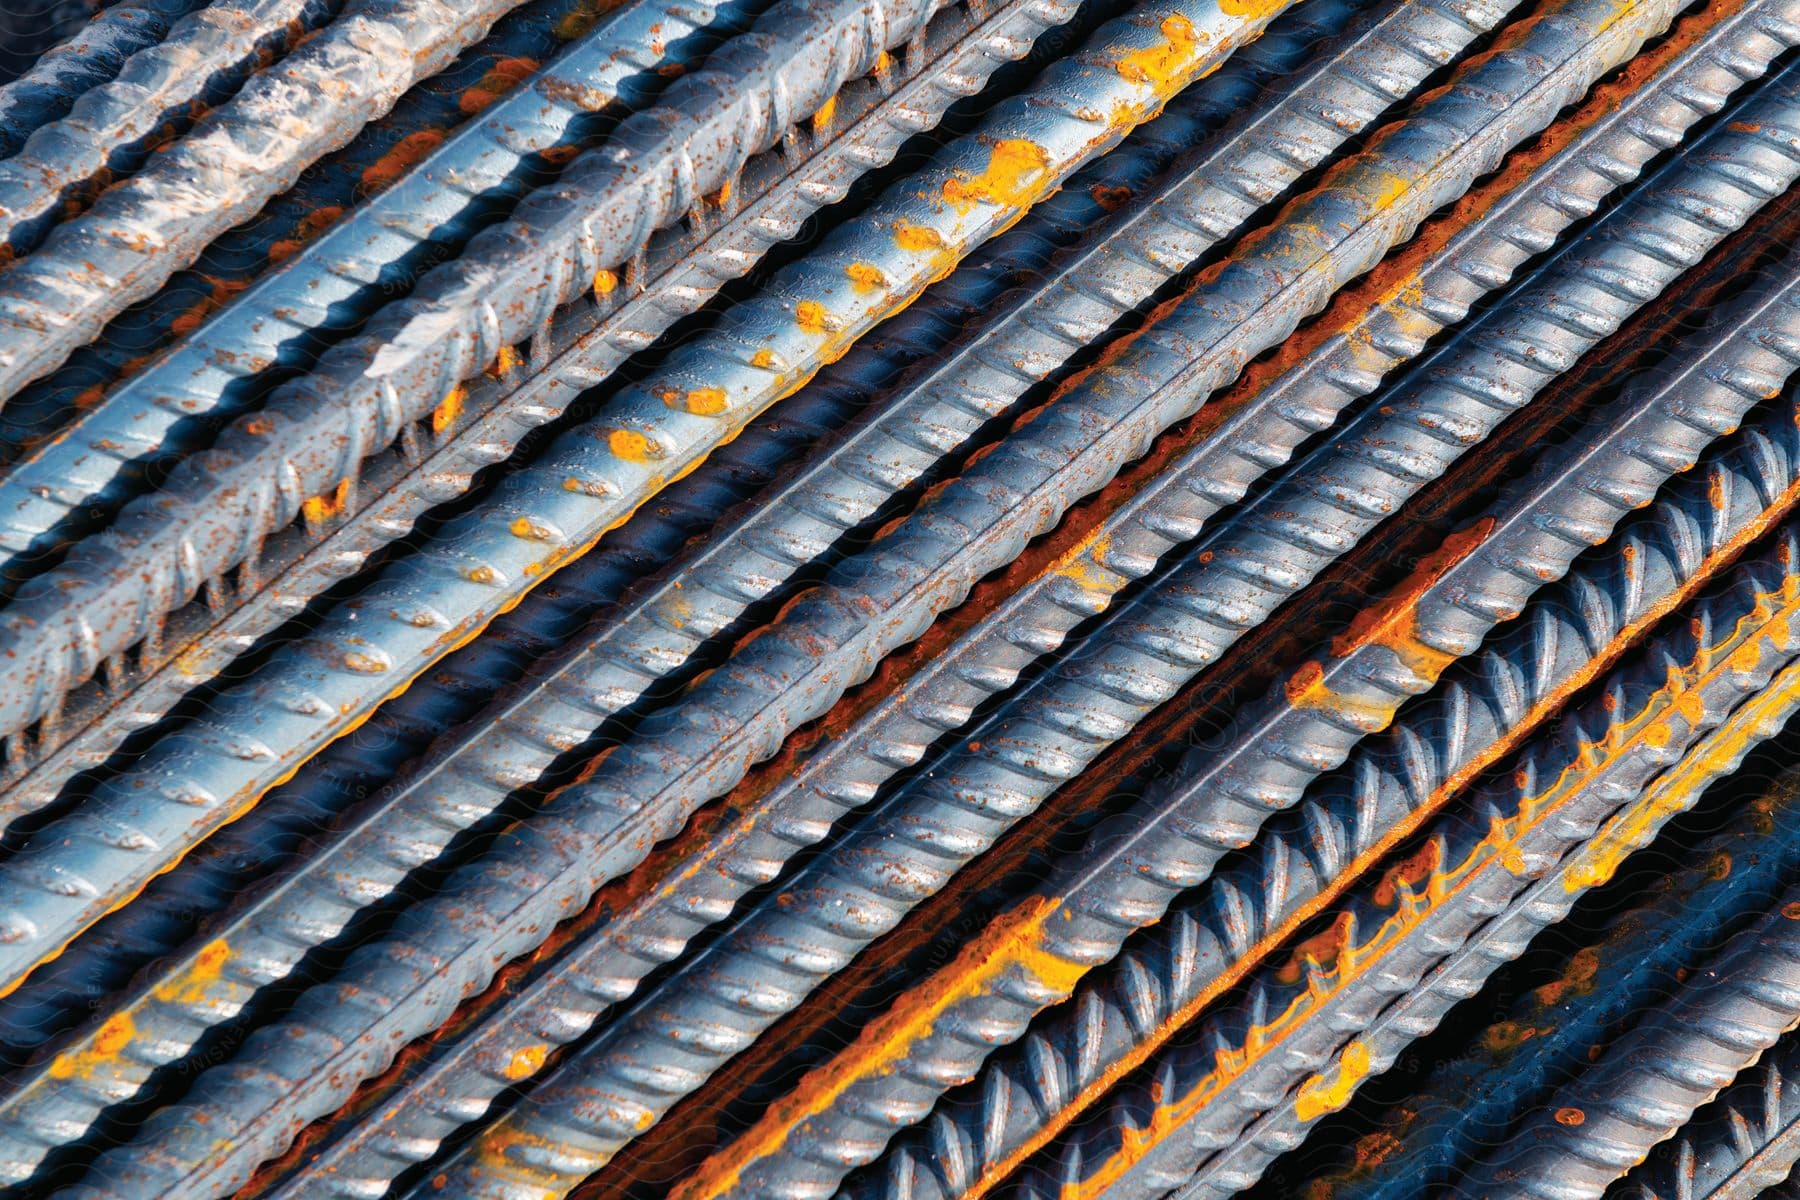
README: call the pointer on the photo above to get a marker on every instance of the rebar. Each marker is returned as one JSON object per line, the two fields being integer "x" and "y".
{"x": 484, "y": 423}
{"x": 66, "y": 72}
{"x": 529, "y": 730}
{"x": 213, "y": 372}
{"x": 114, "y": 126}
{"x": 412, "y": 935}
{"x": 1738, "y": 1145}
{"x": 1646, "y": 1085}
{"x": 537, "y": 519}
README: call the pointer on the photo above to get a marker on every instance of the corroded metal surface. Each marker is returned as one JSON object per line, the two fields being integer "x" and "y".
{"x": 792, "y": 602}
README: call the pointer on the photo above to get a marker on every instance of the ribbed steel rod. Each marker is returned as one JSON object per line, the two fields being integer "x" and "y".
{"x": 1650, "y": 1082}
{"x": 1135, "y": 93}
{"x": 1033, "y": 957}
{"x": 66, "y": 72}
{"x": 1482, "y": 882}
{"x": 160, "y": 220}
{"x": 1485, "y": 708}
{"x": 952, "y": 57}
{"x": 315, "y": 433}
{"x": 1510, "y": 1067}
{"x": 529, "y": 730}
{"x": 537, "y": 519}
{"x": 539, "y": 891}
{"x": 90, "y": 467}
{"x": 112, "y": 128}
{"x": 1744, "y": 1141}
{"x": 513, "y": 920}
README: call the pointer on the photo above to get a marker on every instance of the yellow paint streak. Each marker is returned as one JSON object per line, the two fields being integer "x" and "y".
{"x": 506, "y": 360}
{"x": 917, "y": 239}
{"x": 1085, "y": 563}
{"x": 1013, "y": 944}
{"x": 1017, "y": 174}
{"x": 1330, "y": 1090}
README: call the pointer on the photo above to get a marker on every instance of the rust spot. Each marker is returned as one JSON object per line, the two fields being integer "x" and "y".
{"x": 385, "y": 171}
{"x": 505, "y": 75}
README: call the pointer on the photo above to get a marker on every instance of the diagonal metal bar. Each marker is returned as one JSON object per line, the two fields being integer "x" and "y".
{"x": 1648, "y": 1084}
{"x": 64, "y": 73}
{"x": 1741, "y": 1143}
{"x": 1511, "y": 1067}
{"x": 1404, "y": 950}
{"x": 529, "y": 731}
{"x": 872, "y": 117}
{"x": 112, "y": 128}
{"x": 92, "y": 466}
{"x": 1034, "y": 956}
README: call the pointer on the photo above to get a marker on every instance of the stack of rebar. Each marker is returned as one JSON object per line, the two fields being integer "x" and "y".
{"x": 808, "y": 600}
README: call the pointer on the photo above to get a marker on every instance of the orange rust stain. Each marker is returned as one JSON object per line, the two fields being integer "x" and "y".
{"x": 702, "y": 402}
{"x": 585, "y": 16}
{"x": 1013, "y": 943}
{"x": 112, "y": 1036}
{"x": 605, "y": 282}
{"x": 1110, "y": 199}
{"x": 632, "y": 446}
{"x": 1017, "y": 174}
{"x": 305, "y": 230}
{"x": 406, "y": 153}
{"x": 811, "y": 316}
{"x": 527, "y": 1062}
{"x": 506, "y": 360}
{"x": 444, "y": 416}
{"x": 1166, "y": 67}
{"x": 1392, "y": 621}
{"x": 323, "y": 508}
{"x": 764, "y": 358}
{"x": 1570, "y": 1116}
{"x": 1331, "y": 1089}
{"x": 502, "y": 77}
{"x": 222, "y": 291}
{"x": 821, "y": 120}
{"x": 917, "y": 238}
{"x": 865, "y": 277}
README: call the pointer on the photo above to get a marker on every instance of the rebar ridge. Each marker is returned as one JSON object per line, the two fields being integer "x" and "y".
{"x": 437, "y": 458}
{"x": 113, "y": 126}
{"x": 64, "y": 73}
{"x": 1735, "y": 1147}
{"x": 535, "y": 882}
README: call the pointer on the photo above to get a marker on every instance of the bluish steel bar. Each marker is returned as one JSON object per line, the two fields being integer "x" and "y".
{"x": 145, "y": 229}
{"x": 872, "y": 118}
{"x": 1740, "y": 1146}
{"x": 537, "y": 887}
{"x": 112, "y": 128}
{"x": 1034, "y": 956}
{"x": 66, "y": 72}
{"x": 213, "y": 372}
{"x": 537, "y": 519}
{"x": 1647, "y": 1084}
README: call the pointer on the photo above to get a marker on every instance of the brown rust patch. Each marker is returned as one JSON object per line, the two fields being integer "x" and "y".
{"x": 404, "y": 155}
{"x": 305, "y": 230}
{"x": 505, "y": 75}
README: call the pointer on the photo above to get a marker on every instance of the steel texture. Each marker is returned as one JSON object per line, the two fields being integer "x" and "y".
{"x": 94, "y": 55}
{"x": 415, "y": 813}
{"x": 1303, "y": 859}
{"x": 1484, "y": 879}
{"x": 440, "y": 456}
{"x": 1737, "y": 1146}
{"x": 413, "y": 936}
{"x": 1547, "y": 1035}
{"x": 415, "y": 824}
{"x": 1646, "y": 1086}
{"x": 534, "y": 522}
{"x": 111, "y": 130}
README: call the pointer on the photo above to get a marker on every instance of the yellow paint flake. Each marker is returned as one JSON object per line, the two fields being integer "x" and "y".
{"x": 1331, "y": 1089}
